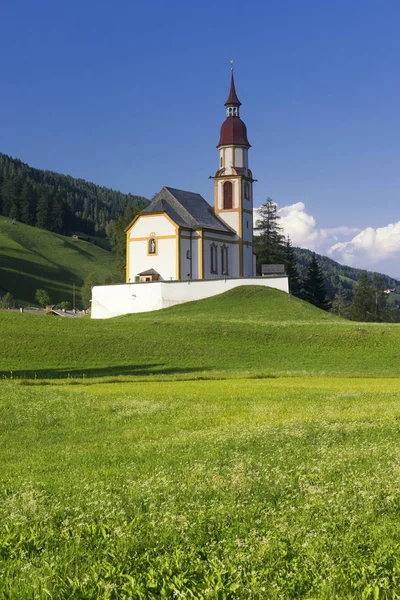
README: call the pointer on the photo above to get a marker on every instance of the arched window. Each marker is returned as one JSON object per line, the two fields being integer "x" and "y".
{"x": 246, "y": 191}
{"x": 224, "y": 260}
{"x": 152, "y": 246}
{"x": 213, "y": 258}
{"x": 227, "y": 195}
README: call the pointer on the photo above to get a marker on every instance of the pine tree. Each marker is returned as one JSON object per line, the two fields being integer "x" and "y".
{"x": 340, "y": 304}
{"x": 269, "y": 244}
{"x": 57, "y": 212}
{"x": 314, "y": 287}
{"x": 291, "y": 269}
{"x": 380, "y": 305}
{"x": 362, "y": 305}
{"x": 10, "y": 196}
{"x": 43, "y": 214}
{"x": 28, "y": 204}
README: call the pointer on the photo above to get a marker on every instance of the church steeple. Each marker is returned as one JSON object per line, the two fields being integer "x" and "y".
{"x": 233, "y": 182}
{"x": 233, "y": 102}
{"x": 233, "y": 130}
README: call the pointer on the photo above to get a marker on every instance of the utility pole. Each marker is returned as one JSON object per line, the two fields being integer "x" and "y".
{"x": 73, "y": 297}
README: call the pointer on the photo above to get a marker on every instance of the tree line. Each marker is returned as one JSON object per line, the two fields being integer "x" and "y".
{"x": 59, "y": 203}
{"x": 345, "y": 291}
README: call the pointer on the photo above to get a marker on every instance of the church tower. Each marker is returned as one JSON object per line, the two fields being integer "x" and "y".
{"x": 233, "y": 182}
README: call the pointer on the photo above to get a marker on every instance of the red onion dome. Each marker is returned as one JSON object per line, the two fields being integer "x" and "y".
{"x": 233, "y": 133}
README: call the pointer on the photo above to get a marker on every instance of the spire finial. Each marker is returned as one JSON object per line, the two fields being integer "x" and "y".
{"x": 232, "y": 67}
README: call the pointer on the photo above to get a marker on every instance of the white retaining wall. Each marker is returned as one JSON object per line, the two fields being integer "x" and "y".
{"x": 114, "y": 300}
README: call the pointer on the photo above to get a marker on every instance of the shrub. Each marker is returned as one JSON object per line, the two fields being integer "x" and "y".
{"x": 7, "y": 301}
{"x": 42, "y": 297}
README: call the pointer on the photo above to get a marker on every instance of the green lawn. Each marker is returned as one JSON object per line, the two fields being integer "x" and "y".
{"x": 283, "y": 488}
{"x": 249, "y": 331}
{"x": 32, "y": 258}
{"x": 241, "y": 447}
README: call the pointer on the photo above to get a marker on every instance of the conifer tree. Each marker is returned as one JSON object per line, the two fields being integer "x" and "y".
{"x": 340, "y": 304}
{"x": 380, "y": 304}
{"x": 291, "y": 269}
{"x": 43, "y": 213}
{"x": 361, "y": 308}
{"x": 314, "y": 287}
{"x": 269, "y": 244}
{"x": 28, "y": 204}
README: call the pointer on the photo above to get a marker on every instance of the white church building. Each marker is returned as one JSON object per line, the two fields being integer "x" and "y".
{"x": 179, "y": 248}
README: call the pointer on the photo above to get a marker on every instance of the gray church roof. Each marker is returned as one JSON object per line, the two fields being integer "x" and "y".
{"x": 186, "y": 209}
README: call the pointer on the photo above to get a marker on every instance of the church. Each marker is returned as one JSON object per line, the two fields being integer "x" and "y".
{"x": 180, "y": 249}
{"x": 179, "y": 236}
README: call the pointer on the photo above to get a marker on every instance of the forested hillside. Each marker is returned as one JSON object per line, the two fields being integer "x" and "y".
{"x": 336, "y": 274}
{"x": 59, "y": 203}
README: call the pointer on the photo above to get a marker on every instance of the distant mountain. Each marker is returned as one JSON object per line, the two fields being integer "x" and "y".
{"x": 335, "y": 274}
{"x": 59, "y": 203}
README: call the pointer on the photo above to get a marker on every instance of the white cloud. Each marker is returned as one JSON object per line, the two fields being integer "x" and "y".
{"x": 370, "y": 248}
{"x": 303, "y": 230}
{"x": 370, "y": 244}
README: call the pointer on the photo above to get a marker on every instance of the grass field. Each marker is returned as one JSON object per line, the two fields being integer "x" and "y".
{"x": 249, "y": 331}
{"x": 32, "y": 258}
{"x": 282, "y": 488}
{"x": 245, "y": 446}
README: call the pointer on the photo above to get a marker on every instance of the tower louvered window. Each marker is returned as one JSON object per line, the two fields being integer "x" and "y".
{"x": 227, "y": 195}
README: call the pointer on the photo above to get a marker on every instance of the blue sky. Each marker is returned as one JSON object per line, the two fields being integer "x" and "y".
{"x": 130, "y": 95}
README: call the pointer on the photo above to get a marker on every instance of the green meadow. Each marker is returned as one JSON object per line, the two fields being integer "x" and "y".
{"x": 245, "y": 446}
{"x": 33, "y": 258}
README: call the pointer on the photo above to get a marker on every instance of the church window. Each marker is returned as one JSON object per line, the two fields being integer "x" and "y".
{"x": 246, "y": 191}
{"x": 152, "y": 246}
{"x": 227, "y": 195}
{"x": 188, "y": 254}
{"x": 213, "y": 258}
{"x": 247, "y": 224}
{"x": 224, "y": 260}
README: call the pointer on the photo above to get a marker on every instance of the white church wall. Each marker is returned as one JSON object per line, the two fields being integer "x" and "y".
{"x": 164, "y": 261}
{"x": 147, "y": 224}
{"x": 233, "y": 258}
{"x": 189, "y": 267}
{"x": 115, "y": 300}
{"x": 186, "y": 258}
{"x": 247, "y": 228}
{"x": 238, "y": 157}
{"x": 231, "y": 218}
{"x": 248, "y": 261}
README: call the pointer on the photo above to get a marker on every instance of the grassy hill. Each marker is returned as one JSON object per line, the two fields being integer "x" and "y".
{"x": 32, "y": 258}
{"x": 248, "y": 331}
{"x": 251, "y": 452}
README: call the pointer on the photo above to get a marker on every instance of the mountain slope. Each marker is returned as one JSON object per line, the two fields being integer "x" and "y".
{"x": 32, "y": 258}
{"x": 335, "y": 273}
{"x": 56, "y": 202}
